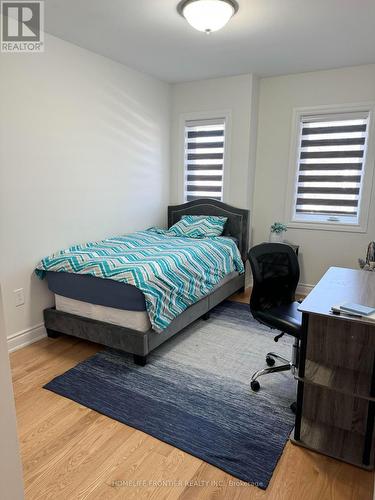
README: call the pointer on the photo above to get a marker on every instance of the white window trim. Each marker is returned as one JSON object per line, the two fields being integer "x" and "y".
{"x": 205, "y": 115}
{"x": 369, "y": 165}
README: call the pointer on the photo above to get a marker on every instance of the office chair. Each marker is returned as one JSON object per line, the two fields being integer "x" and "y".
{"x": 275, "y": 271}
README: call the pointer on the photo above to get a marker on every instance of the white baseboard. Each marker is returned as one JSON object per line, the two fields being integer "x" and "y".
{"x": 26, "y": 337}
{"x": 304, "y": 289}
{"x": 248, "y": 281}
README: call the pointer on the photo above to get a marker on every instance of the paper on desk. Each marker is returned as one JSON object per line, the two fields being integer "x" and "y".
{"x": 337, "y": 308}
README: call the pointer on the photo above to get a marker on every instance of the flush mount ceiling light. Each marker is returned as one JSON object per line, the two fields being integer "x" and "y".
{"x": 207, "y": 15}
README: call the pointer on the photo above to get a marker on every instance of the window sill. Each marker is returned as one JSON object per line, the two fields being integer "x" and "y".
{"x": 327, "y": 226}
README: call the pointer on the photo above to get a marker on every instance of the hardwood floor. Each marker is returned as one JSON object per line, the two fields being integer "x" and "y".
{"x": 71, "y": 452}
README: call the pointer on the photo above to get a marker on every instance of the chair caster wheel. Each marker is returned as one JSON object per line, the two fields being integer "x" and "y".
{"x": 293, "y": 407}
{"x": 255, "y": 385}
{"x": 270, "y": 361}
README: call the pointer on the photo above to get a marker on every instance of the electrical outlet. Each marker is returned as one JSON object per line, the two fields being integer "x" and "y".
{"x": 19, "y": 297}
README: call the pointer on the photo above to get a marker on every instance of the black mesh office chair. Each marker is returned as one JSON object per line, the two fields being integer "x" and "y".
{"x": 275, "y": 271}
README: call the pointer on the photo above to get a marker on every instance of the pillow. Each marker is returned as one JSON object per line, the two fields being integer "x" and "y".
{"x": 198, "y": 226}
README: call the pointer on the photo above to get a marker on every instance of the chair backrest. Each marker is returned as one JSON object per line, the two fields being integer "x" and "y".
{"x": 276, "y": 273}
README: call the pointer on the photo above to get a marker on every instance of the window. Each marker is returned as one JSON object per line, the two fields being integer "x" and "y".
{"x": 204, "y": 159}
{"x": 331, "y": 159}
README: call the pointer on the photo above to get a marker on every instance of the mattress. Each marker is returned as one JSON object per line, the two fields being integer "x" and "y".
{"x": 129, "y": 318}
{"x": 136, "y": 320}
{"x": 99, "y": 291}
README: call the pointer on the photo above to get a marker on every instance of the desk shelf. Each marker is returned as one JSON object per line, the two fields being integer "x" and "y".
{"x": 337, "y": 378}
{"x": 332, "y": 408}
{"x": 334, "y": 442}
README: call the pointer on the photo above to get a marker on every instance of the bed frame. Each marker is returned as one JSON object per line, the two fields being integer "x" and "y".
{"x": 140, "y": 344}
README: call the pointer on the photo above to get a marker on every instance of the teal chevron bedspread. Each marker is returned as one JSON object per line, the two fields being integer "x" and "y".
{"x": 172, "y": 272}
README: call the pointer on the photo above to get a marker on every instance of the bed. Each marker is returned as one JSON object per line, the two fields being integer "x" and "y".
{"x": 114, "y": 314}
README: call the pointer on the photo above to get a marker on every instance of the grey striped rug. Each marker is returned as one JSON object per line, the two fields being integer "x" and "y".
{"x": 194, "y": 393}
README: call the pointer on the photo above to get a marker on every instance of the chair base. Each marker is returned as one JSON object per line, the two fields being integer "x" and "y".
{"x": 273, "y": 355}
{"x": 271, "y": 360}
{"x": 254, "y": 384}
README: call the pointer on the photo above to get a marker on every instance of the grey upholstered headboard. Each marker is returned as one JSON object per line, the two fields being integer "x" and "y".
{"x": 237, "y": 225}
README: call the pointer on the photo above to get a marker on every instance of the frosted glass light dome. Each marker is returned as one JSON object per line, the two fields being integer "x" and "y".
{"x": 208, "y": 15}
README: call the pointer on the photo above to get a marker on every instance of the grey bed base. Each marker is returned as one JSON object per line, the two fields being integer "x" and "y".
{"x": 140, "y": 344}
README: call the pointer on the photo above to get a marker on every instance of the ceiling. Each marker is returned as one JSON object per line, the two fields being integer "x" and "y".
{"x": 266, "y": 37}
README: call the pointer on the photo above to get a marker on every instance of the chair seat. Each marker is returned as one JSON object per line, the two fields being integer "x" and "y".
{"x": 285, "y": 318}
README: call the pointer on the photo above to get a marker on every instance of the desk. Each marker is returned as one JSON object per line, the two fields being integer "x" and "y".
{"x": 336, "y": 374}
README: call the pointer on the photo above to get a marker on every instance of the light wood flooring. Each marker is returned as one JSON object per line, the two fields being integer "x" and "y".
{"x": 71, "y": 452}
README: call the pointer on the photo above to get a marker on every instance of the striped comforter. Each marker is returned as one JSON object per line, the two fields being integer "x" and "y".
{"x": 172, "y": 272}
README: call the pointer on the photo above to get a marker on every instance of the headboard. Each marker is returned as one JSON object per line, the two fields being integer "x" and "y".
{"x": 237, "y": 225}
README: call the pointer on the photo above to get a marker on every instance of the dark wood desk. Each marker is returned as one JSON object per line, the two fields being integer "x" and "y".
{"x": 336, "y": 375}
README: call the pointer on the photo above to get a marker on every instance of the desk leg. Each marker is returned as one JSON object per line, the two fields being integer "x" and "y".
{"x": 297, "y": 427}
{"x": 370, "y": 422}
{"x": 301, "y": 373}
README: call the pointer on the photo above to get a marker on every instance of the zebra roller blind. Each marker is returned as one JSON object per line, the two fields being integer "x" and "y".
{"x": 204, "y": 159}
{"x": 331, "y": 158}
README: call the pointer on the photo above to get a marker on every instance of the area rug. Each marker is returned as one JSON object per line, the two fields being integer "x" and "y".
{"x": 194, "y": 393}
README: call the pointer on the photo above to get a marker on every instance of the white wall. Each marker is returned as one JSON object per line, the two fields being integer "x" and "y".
{"x": 278, "y": 97}
{"x": 236, "y": 95}
{"x": 84, "y": 154}
{"x": 10, "y": 464}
